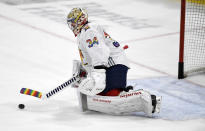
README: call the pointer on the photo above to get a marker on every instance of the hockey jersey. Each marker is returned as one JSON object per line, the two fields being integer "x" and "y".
{"x": 96, "y": 48}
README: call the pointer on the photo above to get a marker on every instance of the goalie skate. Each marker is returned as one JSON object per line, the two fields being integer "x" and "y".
{"x": 156, "y": 103}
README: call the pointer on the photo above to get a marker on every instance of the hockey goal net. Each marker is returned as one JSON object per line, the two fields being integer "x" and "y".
{"x": 192, "y": 38}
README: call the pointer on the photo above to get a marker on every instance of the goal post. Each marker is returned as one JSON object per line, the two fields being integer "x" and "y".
{"x": 192, "y": 38}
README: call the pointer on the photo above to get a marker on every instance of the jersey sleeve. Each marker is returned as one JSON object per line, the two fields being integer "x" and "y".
{"x": 96, "y": 48}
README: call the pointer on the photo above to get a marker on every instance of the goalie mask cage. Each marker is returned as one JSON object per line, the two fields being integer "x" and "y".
{"x": 192, "y": 38}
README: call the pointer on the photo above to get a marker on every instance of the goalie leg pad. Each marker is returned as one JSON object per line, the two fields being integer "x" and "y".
{"x": 147, "y": 103}
{"x": 126, "y": 102}
{"x": 82, "y": 99}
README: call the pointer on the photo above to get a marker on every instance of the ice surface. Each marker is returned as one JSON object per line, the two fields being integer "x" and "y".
{"x": 181, "y": 100}
{"x": 37, "y": 49}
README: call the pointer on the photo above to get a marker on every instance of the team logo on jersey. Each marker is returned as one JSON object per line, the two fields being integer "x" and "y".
{"x": 116, "y": 44}
{"x": 92, "y": 42}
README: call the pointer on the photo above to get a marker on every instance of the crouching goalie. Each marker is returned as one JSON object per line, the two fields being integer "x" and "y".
{"x": 103, "y": 72}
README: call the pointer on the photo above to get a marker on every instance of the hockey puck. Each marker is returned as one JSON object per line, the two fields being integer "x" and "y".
{"x": 21, "y": 106}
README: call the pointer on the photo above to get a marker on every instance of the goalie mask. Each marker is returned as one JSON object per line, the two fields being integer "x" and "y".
{"x": 76, "y": 19}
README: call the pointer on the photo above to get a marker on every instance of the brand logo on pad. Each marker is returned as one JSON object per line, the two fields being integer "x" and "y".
{"x": 92, "y": 42}
{"x": 130, "y": 94}
{"x": 101, "y": 100}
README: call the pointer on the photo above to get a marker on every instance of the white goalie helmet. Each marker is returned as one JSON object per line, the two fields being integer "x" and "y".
{"x": 76, "y": 19}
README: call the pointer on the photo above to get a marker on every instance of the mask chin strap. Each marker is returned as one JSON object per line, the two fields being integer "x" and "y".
{"x": 80, "y": 28}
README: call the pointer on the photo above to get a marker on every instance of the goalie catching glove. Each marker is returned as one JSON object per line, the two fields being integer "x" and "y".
{"x": 94, "y": 83}
{"x": 90, "y": 83}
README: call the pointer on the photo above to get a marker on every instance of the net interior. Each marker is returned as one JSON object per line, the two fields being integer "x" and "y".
{"x": 194, "y": 43}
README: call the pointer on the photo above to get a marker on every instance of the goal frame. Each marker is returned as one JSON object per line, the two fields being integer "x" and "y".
{"x": 181, "y": 42}
{"x": 185, "y": 66}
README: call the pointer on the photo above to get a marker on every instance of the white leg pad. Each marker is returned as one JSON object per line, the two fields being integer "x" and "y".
{"x": 82, "y": 99}
{"x": 126, "y": 102}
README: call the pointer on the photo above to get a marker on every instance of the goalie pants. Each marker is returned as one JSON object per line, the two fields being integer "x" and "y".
{"x": 116, "y": 78}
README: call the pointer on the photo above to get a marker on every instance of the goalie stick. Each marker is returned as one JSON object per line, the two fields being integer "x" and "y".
{"x": 41, "y": 95}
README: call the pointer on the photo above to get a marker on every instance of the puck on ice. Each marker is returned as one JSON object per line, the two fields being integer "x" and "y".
{"x": 21, "y": 106}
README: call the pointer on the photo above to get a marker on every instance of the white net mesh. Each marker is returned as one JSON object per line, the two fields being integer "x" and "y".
{"x": 194, "y": 43}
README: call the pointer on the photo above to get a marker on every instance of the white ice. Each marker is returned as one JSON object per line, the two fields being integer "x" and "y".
{"x": 37, "y": 49}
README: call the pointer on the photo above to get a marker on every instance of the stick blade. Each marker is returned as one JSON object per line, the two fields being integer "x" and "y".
{"x": 31, "y": 92}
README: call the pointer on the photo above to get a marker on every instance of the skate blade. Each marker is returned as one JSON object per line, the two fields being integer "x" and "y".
{"x": 158, "y": 105}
